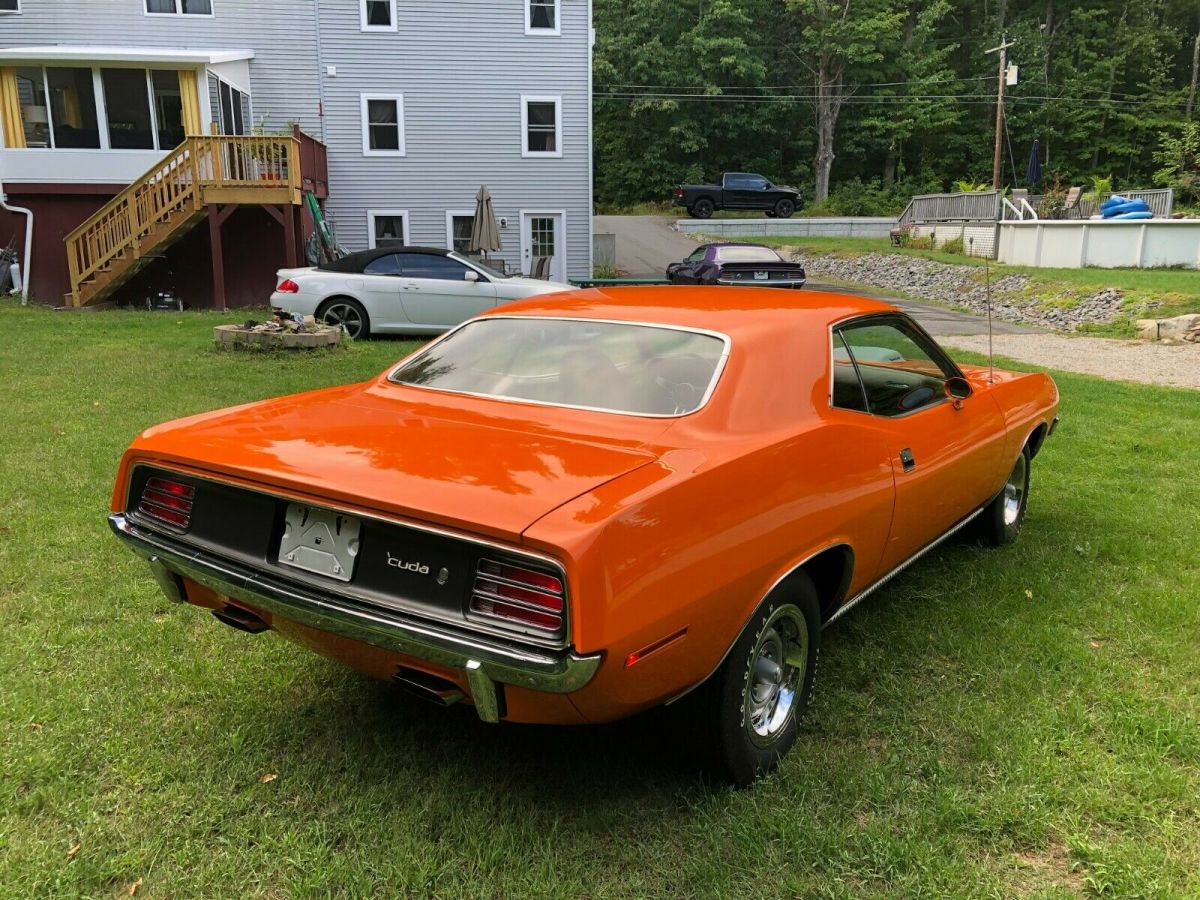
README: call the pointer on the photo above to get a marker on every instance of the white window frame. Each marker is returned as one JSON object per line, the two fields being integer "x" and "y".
{"x": 362, "y": 18}
{"x": 545, "y": 32}
{"x": 450, "y": 215}
{"x": 373, "y": 214}
{"x": 366, "y": 125}
{"x": 179, "y": 13}
{"x": 556, "y": 99}
{"x": 523, "y": 217}
{"x": 12, "y": 12}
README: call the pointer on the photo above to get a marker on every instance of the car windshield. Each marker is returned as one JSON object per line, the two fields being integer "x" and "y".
{"x": 747, "y": 254}
{"x": 608, "y": 366}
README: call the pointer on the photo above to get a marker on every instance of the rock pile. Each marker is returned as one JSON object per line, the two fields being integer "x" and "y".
{"x": 963, "y": 285}
{"x": 1170, "y": 331}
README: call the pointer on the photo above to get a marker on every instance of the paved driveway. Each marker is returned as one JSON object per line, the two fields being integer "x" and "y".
{"x": 646, "y": 244}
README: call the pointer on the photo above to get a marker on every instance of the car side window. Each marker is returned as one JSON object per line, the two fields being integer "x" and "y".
{"x": 430, "y": 265}
{"x": 847, "y": 389}
{"x": 898, "y": 367}
{"x": 697, "y": 256}
{"x": 757, "y": 183}
{"x": 383, "y": 265}
{"x": 736, "y": 182}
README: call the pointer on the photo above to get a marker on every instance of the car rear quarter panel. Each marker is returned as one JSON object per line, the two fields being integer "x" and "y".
{"x": 697, "y": 539}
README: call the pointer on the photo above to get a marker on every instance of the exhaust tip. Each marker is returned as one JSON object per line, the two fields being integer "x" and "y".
{"x": 437, "y": 690}
{"x": 241, "y": 619}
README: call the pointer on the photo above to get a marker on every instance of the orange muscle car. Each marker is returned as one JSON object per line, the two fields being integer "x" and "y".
{"x": 582, "y": 506}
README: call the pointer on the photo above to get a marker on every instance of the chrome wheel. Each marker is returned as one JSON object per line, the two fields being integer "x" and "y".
{"x": 346, "y": 315}
{"x": 776, "y": 675}
{"x": 1014, "y": 491}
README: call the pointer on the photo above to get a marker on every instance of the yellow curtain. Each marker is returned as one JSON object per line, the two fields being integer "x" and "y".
{"x": 189, "y": 92}
{"x": 71, "y": 107}
{"x": 10, "y": 109}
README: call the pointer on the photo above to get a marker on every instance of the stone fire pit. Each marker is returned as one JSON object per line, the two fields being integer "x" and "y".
{"x": 239, "y": 337}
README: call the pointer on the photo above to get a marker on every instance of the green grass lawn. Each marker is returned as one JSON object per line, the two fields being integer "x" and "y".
{"x": 1020, "y": 722}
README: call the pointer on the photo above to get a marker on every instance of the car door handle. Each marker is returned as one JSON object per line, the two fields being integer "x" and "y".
{"x": 907, "y": 459}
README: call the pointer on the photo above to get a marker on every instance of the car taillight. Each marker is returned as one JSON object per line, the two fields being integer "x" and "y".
{"x": 518, "y": 594}
{"x": 287, "y": 286}
{"x": 169, "y": 502}
{"x": 679, "y": 192}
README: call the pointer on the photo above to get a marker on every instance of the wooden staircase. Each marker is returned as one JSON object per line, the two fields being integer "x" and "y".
{"x": 142, "y": 221}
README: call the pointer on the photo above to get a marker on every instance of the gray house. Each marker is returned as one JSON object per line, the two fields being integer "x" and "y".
{"x": 393, "y": 112}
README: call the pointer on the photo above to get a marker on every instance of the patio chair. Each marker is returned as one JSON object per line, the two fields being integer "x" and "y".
{"x": 1070, "y": 207}
{"x": 540, "y": 268}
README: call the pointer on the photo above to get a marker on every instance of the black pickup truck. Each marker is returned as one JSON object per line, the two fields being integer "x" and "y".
{"x": 737, "y": 190}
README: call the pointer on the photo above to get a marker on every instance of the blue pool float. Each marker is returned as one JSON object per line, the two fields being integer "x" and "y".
{"x": 1136, "y": 214}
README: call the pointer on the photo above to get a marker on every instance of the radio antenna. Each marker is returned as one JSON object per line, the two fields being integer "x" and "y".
{"x": 987, "y": 278}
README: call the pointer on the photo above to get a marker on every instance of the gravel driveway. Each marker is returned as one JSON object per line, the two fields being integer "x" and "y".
{"x": 1146, "y": 363}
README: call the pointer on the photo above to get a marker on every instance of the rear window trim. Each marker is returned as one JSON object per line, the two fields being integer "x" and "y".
{"x": 718, "y": 370}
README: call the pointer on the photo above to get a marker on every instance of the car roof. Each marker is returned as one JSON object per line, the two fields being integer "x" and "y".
{"x": 748, "y": 312}
{"x": 356, "y": 262}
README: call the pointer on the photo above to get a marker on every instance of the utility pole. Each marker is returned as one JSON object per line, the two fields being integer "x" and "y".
{"x": 1005, "y": 43}
{"x": 1191, "y": 101}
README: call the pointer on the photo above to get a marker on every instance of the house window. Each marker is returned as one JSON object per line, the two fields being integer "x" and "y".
{"x": 541, "y": 16}
{"x": 377, "y": 15}
{"x": 179, "y": 7}
{"x": 541, "y": 126}
{"x": 70, "y": 107}
{"x": 383, "y": 124}
{"x": 459, "y": 224}
{"x": 35, "y": 110}
{"x": 168, "y": 107}
{"x": 387, "y": 227}
{"x": 127, "y": 103}
{"x": 73, "y": 107}
{"x": 10, "y": 6}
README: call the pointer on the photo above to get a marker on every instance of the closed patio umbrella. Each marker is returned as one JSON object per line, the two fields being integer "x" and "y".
{"x": 1033, "y": 174}
{"x": 485, "y": 232}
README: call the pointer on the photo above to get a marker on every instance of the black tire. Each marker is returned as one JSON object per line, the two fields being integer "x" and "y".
{"x": 770, "y": 213}
{"x": 702, "y": 208}
{"x": 347, "y": 312}
{"x": 742, "y": 738}
{"x": 784, "y": 208}
{"x": 1000, "y": 521}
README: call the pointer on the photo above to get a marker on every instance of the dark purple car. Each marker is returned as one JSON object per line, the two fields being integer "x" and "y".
{"x": 743, "y": 264}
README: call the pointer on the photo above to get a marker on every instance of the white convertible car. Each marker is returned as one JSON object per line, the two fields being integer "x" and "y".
{"x": 401, "y": 290}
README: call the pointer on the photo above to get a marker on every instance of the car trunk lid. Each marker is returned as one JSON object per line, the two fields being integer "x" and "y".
{"x": 439, "y": 465}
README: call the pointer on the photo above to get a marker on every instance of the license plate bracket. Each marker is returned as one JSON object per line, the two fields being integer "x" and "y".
{"x": 320, "y": 541}
{"x": 761, "y": 276}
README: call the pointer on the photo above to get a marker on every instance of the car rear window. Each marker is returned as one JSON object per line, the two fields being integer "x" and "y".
{"x": 747, "y": 254}
{"x": 646, "y": 370}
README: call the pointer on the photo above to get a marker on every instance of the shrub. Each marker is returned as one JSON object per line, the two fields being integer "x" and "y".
{"x": 1178, "y": 154}
{"x": 954, "y": 245}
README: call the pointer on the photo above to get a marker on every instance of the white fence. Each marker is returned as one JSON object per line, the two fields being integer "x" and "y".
{"x": 847, "y": 226}
{"x": 1110, "y": 244}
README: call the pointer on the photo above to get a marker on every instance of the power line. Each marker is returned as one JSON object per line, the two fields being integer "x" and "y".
{"x": 885, "y": 100}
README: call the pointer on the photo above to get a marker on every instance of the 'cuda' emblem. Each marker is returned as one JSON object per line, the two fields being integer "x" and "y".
{"x": 397, "y": 563}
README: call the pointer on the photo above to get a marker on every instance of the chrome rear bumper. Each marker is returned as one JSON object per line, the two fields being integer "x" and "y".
{"x": 484, "y": 662}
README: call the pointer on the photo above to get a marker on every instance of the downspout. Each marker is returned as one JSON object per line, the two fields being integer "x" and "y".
{"x": 27, "y": 268}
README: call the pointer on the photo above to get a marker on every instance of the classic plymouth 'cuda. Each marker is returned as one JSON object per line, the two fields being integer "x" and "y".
{"x": 582, "y": 506}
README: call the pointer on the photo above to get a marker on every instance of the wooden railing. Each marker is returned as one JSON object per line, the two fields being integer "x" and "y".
{"x": 239, "y": 166}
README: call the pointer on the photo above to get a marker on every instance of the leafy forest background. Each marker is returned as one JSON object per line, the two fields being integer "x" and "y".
{"x": 863, "y": 103}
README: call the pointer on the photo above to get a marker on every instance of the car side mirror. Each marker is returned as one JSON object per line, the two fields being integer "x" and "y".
{"x": 958, "y": 389}
{"x": 471, "y": 275}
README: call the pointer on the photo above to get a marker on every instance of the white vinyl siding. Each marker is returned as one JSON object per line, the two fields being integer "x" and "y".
{"x": 382, "y": 124}
{"x": 377, "y": 15}
{"x": 542, "y": 17}
{"x": 541, "y": 125}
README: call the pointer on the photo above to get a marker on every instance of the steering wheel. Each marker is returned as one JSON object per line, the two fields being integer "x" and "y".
{"x": 683, "y": 380}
